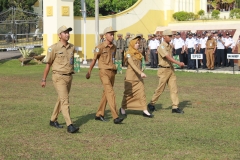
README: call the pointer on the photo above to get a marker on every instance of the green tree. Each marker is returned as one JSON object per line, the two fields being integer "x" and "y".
{"x": 3, "y": 5}
{"x": 106, "y": 7}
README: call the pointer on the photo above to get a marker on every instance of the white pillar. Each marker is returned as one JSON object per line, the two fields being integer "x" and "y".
{"x": 56, "y": 13}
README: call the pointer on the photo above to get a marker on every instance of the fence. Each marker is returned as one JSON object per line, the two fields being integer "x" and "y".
{"x": 19, "y": 28}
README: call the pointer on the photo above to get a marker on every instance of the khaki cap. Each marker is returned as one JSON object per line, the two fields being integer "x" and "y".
{"x": 167, "y": 32}
{"x": 109, "y": 29}
{"x": 128, "y": 34}
{"x": 149, "y": 35}
{"x": 63, "y": 28}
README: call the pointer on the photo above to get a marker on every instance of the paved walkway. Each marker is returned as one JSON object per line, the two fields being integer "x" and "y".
{"x": 226, "y": 70}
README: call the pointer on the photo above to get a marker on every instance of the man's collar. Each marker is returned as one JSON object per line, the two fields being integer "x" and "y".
{"x": 61, "y": 45}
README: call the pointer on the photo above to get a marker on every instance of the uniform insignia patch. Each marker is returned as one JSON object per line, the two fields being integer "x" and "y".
{"x": 162, "y": 47}
{"x": 128, "y": 55}
{"x": 96, "y": 50}
{"x": 49, "y": 49}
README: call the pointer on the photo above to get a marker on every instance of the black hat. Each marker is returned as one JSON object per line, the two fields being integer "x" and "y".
{"x": 178, "y": 33}
{"x": 219, "y": 35}
{"x": 190, "y": 33}
{"x": 230, "y": 35}
{"x": 227, "y": 33}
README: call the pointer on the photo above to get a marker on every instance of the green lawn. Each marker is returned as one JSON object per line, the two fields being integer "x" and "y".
{"x": 209, "y": 129}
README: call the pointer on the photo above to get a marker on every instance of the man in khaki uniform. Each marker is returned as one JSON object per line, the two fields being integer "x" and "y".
{"x": 104, "y": 53}
{"x": 148, "y": 58}
{"x": 166, "y": 73}
{"x": 210, "y": 51}
{"x": 119, "y": 53}
{"x": 238, "y": 46}
{"x": 127, "y": 40}
{"x": 101, "y": 38}
{"x": 61, "y": 57}
{"x": 142, "y": 46}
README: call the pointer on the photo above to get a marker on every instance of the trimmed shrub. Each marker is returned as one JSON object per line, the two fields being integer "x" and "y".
{"x": 215, "y": 14}
{"x": 201, "y": 13}
{"x": 184, "y": 16}
{"x": 235, "y": 12}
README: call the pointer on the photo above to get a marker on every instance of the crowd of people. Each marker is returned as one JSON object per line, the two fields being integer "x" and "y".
{"x": 214, "y": 52}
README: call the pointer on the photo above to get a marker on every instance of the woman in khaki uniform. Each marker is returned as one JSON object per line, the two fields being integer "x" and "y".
{"x": 134, "y": 95}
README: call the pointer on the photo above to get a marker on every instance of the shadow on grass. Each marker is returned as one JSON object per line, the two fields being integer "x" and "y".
{"x": 85, "y": 118}
{"x": 181, "y": 105}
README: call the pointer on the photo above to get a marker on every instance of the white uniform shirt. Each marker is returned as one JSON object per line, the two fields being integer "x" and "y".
{"x": 203, "y": 42}
{"x": 228, "y": 41}
{"x": 178, "y": 43}
{"x": 233, "y": 45}
{"x": 190, "y": 43}
{"x": 220, "y": 45}
{"x": 153, "y": 44}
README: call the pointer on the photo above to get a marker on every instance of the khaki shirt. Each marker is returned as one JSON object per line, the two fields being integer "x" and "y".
{"x": 61, "y": 58}
{"x": 210, "y": 44}
{"x": 120, "y": 44}
{"x": 133, "y": 72}
{"x": 105, "y": 53}
{"x": 127, "y": 41}
{"x": 163, "y": 50}
{"x": 238, "y": 45}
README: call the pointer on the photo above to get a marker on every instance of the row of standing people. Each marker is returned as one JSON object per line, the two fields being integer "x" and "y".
{"x": 213, "y": 46}
{"x": 60, "y": 59}
{"x": 183, "y": 48}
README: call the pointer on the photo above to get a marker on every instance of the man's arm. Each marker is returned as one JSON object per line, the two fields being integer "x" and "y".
{"x": 88, "y": 75}
{"x": 181, "y": 64}
{"x": 45, "y": 74}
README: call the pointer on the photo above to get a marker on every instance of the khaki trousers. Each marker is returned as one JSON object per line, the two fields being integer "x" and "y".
{"x": 210, "y": 58}
{"x": 107, "y": 77}
{"x": 166, "y": 76}
{"x": 62, "y": 85}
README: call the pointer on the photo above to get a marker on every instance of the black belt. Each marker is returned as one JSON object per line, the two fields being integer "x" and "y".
{"x": 163, "y": 66}
{"x": 69, "y": 74}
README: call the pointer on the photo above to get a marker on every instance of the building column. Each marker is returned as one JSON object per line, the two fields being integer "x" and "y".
{"x": 56, "y": 13}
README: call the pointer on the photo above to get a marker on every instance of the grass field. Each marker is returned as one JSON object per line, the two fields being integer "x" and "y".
{"x": 209, "y": 129}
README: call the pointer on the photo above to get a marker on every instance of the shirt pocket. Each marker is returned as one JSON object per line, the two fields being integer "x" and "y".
{"x": 61, "y": 58}
{"x": 104, "y": 56}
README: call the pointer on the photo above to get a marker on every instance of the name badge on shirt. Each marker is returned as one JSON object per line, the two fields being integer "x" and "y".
{"x": 71, "y": 60}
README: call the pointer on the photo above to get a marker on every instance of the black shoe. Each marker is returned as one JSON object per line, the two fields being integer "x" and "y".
{"x": 55, "y": 124}
{"x": 72, "y": 129}
{"x": 151, "y": 107}
{"x": 101, "y": 118}
{"x": 177, "y": 110}
{"x": 121, "y": 112}
{"x": 149, "y": 116}
{"x": 118, "y": 120}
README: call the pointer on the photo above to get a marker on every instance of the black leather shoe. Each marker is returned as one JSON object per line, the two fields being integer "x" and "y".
{"x": 151, "y": 107}
{"x": 121, "y": 112}
{"x": 101, "y": 118}
{"x": 118, "y": 120}
{"x": 149, "y": 116}
{"x": 177, "y": 110}
{"x": 55, "y": 124}
{"x": 72, "y": 129}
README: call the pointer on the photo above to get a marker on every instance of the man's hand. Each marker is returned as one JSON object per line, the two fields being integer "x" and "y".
{"x": 143, "y": 75}
{"x": 43, "y": 84}
{"x": 181, "y": 64}
{"x": 88, "y": 75}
